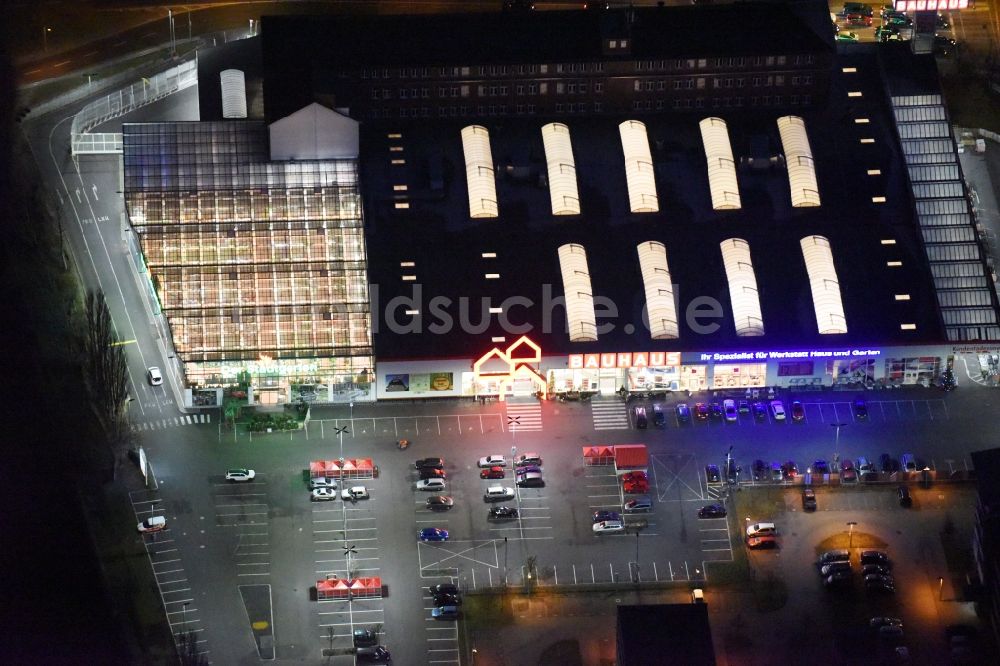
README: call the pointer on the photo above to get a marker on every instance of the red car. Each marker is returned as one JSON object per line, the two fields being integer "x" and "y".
{"x": 762, "y": 542}
{"x": 798, "y": 411}
{"x": 858, "y": 20}
{"x": 635, "y": 476}
{"x": 701, "y": 411}
{"x": 492, "y": 473}
{"x": 637, "y": 487}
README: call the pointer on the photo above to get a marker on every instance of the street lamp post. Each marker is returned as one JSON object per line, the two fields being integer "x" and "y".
{"x": 637, "y": 558}
{"x": 850, "y": 534}
{"x": 184, "y": 633}
{"x": 940, "y": 588}
{"x": 836, "y": 440}
{"x": 340, "y": 430}
{"x": 45, "y": 38}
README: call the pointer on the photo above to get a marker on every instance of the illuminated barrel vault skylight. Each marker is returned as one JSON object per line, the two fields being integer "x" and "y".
{"x": 579, "y": 295}
{"x": 660, "y": 306}
{"x": 825, "y": 285}
{"x": 562, "y": 169}
{"x": 638, "y": 168}
{"x": 799, "y": 161}
{"x": 721, "y": 168}
{"x": 479, "y": 172}
{"x": 742, "y": 287}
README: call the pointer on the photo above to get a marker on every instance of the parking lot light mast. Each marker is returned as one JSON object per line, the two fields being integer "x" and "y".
{"x": 836, "y": 440}
{"x": 850, "y": 534}
{"x": 340, "y": 430}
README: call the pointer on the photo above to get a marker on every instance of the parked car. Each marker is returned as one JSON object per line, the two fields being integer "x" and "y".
{"x": 608, "y": 526}
{"x": 798, "y": 411}
{"x": 715, "y": 410}
{"x": 833, "y": 556}
{"x": 762, "y": 542}
{"x": 898, "y": 19}
{"x": 808, "y": 499}
{"x": 528, "y": 459}
{"x": 857, "y": 8}
{"x": 638, "y": 505}
{"x": 941, "y": 22}
{"x": 492, "y": 473}
{"x": 875, "y": 557}
{"x": 323, "y": 494}
{"x": 820, "y": 466}
{"x": 322, "y": 482}
{"x": 378, "y": 654}
{"x": 860, "y": 20}
{"x": 777, "y": 474}
{"x": 445, "y": 613}
{"x": 432, "y": 534}
{"x": 432, "y": 473}
{"x": 880, "y": 584}
{"x": 835, "y": 567}
{"x": 847, "y": 36}
{"x": 494, "y": 460}
{"x": 527, "y": 469}
{"x": 601, "y": 516}
{"x": 431, "y": 485}
{"x": 865, "y": 467}
{"x": 943, "y": 45}
{"x": 847, "y": 472}
{"x": 443, "y": 588}
{"x": 712, "y": 511}
{"x": 639, "y": 413}
{"x": 354, "y": 493}
{"x": 701, "y": 411}
{"x": 502, "y": 513}
{"x": 877, "y": 569}
{"x": 712, "y": 474}
{"x": 760, "y": 470}
{"x": 434, "y": 463}
{"x": 903, "y": 493}
{"x": 154, "y": 376}
{"x": 777, "y": 410}
{"x": 880, "y": 621}
{"x": 365, "y": 637}
{"x": 152, "y": 524}
{"x": 888, "y": 463}
{"x": 759, "y": 411}
{"x": 637, "y": 487}
{"x": 729, "y": 409}
{"x": 890, "y": 632}
{"x": 659, "y": 418}
{"x": 888, "y": 33}
{"x": 683, "y": 412}
{"x": 440, "y": 503}
{"x": 762, "y": 529}
{"x": 838, "y": 579}
{"x": 908, "y": 462}
{"x": 240, "y": 474}
{"x": 445, "y": 599}
{"x": 744, "y": 407}
{"x": 531, "y": 480}
{"x": 860, "y": 409}
{"x": 498, "y": 494}
{"x": 637, "y": 475}
{"x": 789, "y": 470}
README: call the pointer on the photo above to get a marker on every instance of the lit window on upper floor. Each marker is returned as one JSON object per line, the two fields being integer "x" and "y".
{"x": 394, "y": 136}
{"x": 861, "y": 121}
{"x": 402, "y": 205}
{"x": 902, "y": 297}
{"x": 395, "y": 149}
{"x": 854, "y": 93}
{"x": 492, "y": 276}
{"x": 399, "y": 188}
{"x": 878, "y": 199}
{"x": 867, "y": 140}
{"x": 407, "y": 264}
{"x": 874, "y": 172}
{"x": 398, "y": 161}
{"x": 908, "y": 327}
{"x": 849, "y": 70}
{"x": 496, "y": 310}
{"x": 888, "y": 241}
{"x": 489, "y": 255}
{"x": 894, "y": 264}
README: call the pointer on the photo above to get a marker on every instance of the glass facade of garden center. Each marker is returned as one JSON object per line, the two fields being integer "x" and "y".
{"x": 258, "y": 266}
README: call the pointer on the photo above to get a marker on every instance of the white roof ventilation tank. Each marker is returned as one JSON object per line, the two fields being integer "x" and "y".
{"x": 234, "y": 94}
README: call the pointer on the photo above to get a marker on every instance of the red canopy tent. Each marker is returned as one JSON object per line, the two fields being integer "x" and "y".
{"x": 317, "y": 468}
{"x": 332, "y": 589}
{"x": 598, "y": 455}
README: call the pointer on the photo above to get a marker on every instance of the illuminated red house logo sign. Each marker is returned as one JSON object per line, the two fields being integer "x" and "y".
{"x": 518, "y": 361}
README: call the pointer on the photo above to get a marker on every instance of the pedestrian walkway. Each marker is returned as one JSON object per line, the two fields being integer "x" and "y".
{"x": 609, "y": 414}
{"x": 524, "y": 416}
{"x": 172, "y": 422}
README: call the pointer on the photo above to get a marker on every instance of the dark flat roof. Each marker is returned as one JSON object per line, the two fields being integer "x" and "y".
{"x": 303, "y": 54}
{"x": 665, "y": 634}
{"x": 446, "y": 245}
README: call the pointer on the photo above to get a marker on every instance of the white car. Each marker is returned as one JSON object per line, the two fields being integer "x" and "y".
{"x": 323, "y": 494}
{"x": 322, "y": 482}
{"x": 154, "y": 376}
{"x": 154, "y": 524}
{"x": 240, "y": 474}
{"x": 606, "y": 526}
{"x": 498, "y": 494}
{"x": 354, "y": 493}
{"x": 777, "y": 410}
{"x": 431, "y": 484}
{"x": 729, "y": 409}
{"x": 492, "y": 461}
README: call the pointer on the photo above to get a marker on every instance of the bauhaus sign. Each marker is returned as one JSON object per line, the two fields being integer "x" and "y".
{"x": 624, "y": 360}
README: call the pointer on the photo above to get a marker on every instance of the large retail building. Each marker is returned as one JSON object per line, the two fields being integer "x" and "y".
{"x": 422, "y": 206}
